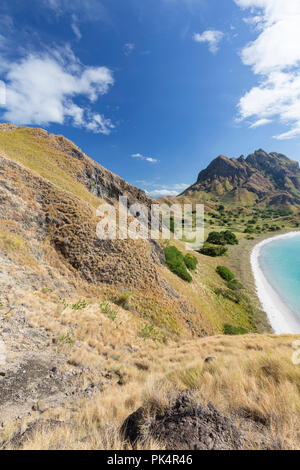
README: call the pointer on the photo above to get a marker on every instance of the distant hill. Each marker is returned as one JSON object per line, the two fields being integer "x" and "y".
{"x": 267, "y": 180}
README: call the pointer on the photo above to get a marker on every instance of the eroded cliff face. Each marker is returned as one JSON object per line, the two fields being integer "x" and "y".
{"x": 64, "y": 157}
{"x": 51, "y": 258}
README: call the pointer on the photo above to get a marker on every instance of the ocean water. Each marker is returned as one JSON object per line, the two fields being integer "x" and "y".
{"x": 280, "y": 262}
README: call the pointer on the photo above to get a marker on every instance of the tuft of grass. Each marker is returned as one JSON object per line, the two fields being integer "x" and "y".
{"x": 66, "y": 339}
{"x": 81, "y": 304}
{"x": 124, "y": 300}
{"x": 46, "y": 290}
{"x": 108, "y": 310}
{"x": 150, "y": 332}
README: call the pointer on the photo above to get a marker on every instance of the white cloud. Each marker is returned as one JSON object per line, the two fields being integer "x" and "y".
{"x": 41, "y": 89}
{"x": 162, "y": 192}
{"x": 88, "y": 10}
{"x": 260, "y": 123}
{"x": 212, "y": 37}
{"x": 142, "y": 157}
{"x": 81, "y": 10}
{"x": 129, "y": 48}
{"x": 157, "y": 190}
{"x": 75, "y": 27}
{"x": 275, "y": 57}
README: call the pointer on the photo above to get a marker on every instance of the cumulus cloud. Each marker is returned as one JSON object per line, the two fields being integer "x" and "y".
{"x": 142, "y": 157}
{"x": 274, "y": 57}
{"x": 211, "y": 37}
{"x": 42, "y": 88}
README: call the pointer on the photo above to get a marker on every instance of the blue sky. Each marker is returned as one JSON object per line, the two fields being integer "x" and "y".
{"x": 155, "y": 89}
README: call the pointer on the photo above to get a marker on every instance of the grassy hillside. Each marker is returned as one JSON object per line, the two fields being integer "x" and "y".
{"x": 99, "y": 328}
{"x": 252, "y": 379}
{"x": 201, "y": 307}
{"x": 34, "y": 149}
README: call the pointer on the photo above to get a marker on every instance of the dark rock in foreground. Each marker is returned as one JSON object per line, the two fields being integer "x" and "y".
{"x": 184, "y": 426}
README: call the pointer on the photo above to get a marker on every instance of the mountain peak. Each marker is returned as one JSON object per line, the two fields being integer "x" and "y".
{"x": 259, "y": 178}
{"x": 223, "y": 167}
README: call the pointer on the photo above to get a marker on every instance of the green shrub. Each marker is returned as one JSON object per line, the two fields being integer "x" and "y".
{"x": 216, "y": 238}
{"x": 222, "y": 238}
{"x": 230, "y": 238}
{"x": 225, "y": 273}
{"x": 190, "y": 262}
{"x": 234, "y": 330}
{"x": 213, "y": 250}
{"x": 176, "y": 264}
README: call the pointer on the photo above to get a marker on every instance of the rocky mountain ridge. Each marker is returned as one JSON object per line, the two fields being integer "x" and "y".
{"x": 269, "y": 180}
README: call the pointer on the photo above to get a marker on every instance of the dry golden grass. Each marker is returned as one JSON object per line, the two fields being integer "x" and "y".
{"x": 17, "y": 248}
{"x": 149, "y": 350}
{"x": 34, "y": 149}
{"x": 253, "y": 380}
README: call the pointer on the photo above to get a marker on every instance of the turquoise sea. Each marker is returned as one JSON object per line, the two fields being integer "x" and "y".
{"x": 280, "y": 262}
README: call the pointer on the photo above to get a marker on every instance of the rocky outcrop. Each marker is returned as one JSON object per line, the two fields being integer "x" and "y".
{"x": 184, "y": 425}
{"x": 97, "y": 179}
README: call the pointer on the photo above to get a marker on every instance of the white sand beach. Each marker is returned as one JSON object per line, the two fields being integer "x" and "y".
{"x": 280, "y": 317}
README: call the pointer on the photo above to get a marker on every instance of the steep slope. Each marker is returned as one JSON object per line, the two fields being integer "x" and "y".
{"x": 270, "y": 180}
{"x": 49, "y": 192}
{"x": 86, "y": 326}
{"x": 61, "y": 162}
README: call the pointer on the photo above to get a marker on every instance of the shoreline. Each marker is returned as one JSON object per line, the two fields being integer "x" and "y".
{"x": 281, "y": 318}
